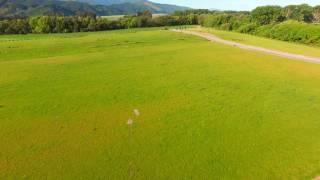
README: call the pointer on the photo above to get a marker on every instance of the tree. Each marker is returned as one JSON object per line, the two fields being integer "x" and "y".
{"x": 266, "y": 15}
{"x": 3, "y": 26}
{"x": 21, "y": 26}
{"x": 147, "y": 14}
{"x": 165, "y": 21}
{"x": 92, "y": 24}
{"x": 302, "y": 12}
{"x": 316, "y": 14}
{"x": 144, "y": 19}
{"x": 41, "y": 24}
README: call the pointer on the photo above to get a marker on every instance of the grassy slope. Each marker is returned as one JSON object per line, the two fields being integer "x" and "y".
{"x": 207, "y": 110}
{"x": 264, "y": 42}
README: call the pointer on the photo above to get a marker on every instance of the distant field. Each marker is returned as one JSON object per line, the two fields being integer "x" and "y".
{"x": 116, "y": 17}
{"x": 200, "y": 110}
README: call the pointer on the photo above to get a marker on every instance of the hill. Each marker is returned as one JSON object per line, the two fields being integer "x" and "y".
{"x": 48, "y": 7}
{"x": 107, "y": 2}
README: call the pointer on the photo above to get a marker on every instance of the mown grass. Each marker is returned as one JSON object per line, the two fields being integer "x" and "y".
{"x": 207, "y": 110}
{"x": 116, "y": 17}
{"x": 264, "y": 42}
{"x": 113, "y": 17}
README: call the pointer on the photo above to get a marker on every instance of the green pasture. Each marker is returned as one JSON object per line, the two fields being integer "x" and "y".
{"x": 116, "y": 17}
{"x": 113, "y": 17}
{"x": 206, "y": 110}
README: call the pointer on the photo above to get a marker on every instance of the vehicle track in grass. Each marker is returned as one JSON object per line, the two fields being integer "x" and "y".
{"x": 216, "y": 39}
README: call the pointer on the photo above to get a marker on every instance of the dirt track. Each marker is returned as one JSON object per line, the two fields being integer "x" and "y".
{"x": 214, "y": 38}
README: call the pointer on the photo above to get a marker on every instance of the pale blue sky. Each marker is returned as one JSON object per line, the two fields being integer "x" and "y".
{"x": 235, "y": 4}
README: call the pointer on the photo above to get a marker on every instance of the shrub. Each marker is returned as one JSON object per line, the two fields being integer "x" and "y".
{"x": 295, "y": 32}
{"x": 248, "y": 28}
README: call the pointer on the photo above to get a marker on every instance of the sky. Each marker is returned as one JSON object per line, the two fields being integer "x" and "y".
{"x": 235, "y": 4}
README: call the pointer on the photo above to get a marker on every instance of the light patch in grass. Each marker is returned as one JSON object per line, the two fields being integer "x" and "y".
{"x": 136, "y": 112}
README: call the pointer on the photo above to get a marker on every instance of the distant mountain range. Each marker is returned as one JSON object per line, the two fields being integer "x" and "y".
{"x": 72, "y": 7}
{"x": 107, "y": 2}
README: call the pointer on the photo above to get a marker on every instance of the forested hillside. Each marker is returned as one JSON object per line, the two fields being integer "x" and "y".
{"x": 10, "y": 8}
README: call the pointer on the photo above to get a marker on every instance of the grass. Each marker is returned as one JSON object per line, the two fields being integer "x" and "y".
{"x": 113, "y": 17}
{"x": 264, "y": 42}
{"x": 116, "y": 17}
{"x": 207, "y": 111}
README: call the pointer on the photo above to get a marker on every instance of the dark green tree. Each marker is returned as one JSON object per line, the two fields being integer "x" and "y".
{"x": 266, "y": 15}
{"x": 302, "y": 12}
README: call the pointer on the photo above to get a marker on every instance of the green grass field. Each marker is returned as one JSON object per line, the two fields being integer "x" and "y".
{"x": 116, "y": 17}
{"x": 113, "y": 17}
{"x": 207, "y": 111}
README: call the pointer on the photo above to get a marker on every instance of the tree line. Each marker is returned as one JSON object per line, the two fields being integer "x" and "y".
{"x": 89, "y": 22}
{"x": 263, "y": 15}
{"x": 296, "y": 23}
